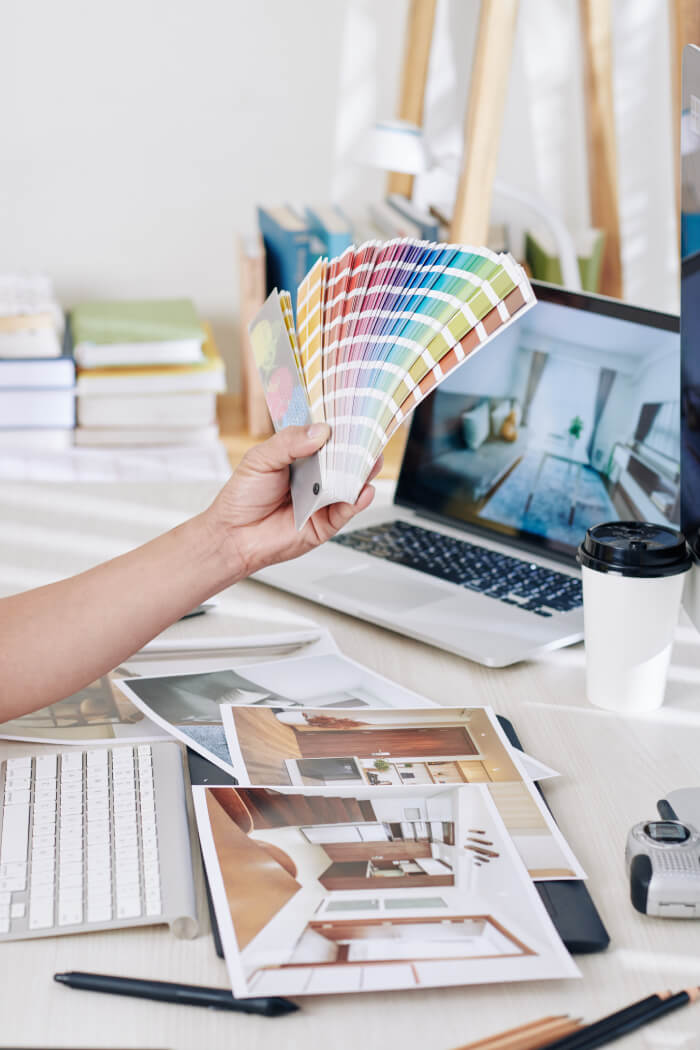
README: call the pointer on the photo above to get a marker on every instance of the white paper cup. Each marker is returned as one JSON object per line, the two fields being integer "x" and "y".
{"x": 632, "y": 589}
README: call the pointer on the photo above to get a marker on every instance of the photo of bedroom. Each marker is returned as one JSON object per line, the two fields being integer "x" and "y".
{"x": 369, "y": 890}
{"x": 555, "y": 430}
{"x": 411, "y": 748}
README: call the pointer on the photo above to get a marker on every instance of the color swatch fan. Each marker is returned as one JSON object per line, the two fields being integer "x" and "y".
{"x": 377, "y": 329}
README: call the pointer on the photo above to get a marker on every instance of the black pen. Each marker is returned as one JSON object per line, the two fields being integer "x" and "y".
{"x": 167, "y": 992}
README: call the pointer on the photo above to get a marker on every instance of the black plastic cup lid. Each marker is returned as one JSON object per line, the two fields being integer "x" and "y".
{"x": 634, "y": 548}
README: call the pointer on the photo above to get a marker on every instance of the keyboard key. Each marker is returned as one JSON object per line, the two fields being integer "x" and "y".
{"x": 40, "y": 913}
{"x": 15, "y": 834}
{"x": 99, "y": 910}
{"x": 45, "y": 767}
{"x": 23, "y": 763}
{"x": 70, "y": 913}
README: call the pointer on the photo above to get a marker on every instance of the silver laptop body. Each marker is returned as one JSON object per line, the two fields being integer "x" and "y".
{"x": 568, "y": 419}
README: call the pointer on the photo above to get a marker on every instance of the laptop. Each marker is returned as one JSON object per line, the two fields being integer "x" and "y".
{"x": 568, "y": 419}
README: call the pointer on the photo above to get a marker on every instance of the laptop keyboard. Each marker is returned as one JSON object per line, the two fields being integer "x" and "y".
{"x": 514, "y": 581}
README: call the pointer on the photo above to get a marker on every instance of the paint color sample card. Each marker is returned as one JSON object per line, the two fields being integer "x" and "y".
{"x": 394, "y": 748}
{"x": 370, "y": 889}
{"x": 377, "y": 329}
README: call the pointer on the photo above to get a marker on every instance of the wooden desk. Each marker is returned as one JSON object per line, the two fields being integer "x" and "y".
{"x": 237, "y": 440}
{"x": 614, "y": 770}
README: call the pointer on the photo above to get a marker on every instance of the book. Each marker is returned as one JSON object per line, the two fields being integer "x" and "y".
{"x": 377, "y": 329}
{"x": 207, "y": 374}
{"x": 37, "y": 407}
{"x": 251, "y": 274}
{"x": 40, "y": 439}
{"x": 26, "y": 301}
{"x": 288, "y": 251}
{"x": 140, "y": 332}
{"x": 29, "y": 342}
{"x": 427, "y": 223}
{"x": 189, "y": 409}
{"x": 131, "y": 435}
{"x": 38, "y": 372}
{"x": 392, "y": 223}
{"x": 334, "y": 230}
{"x": 541, "y": 256}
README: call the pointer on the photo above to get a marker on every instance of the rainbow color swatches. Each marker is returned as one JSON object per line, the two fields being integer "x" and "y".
{"x": 381, "y": 326}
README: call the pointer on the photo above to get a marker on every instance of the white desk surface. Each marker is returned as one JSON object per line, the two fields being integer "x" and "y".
{"x": 614, "y": 769}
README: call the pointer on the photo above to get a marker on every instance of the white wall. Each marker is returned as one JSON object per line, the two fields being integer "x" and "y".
{"x": 138, "y": 137}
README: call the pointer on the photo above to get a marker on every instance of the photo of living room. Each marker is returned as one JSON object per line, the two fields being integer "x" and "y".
{"x": 400, "y": 748}
{"x": 371, "y": 889}
{"x": 553, "y": 430}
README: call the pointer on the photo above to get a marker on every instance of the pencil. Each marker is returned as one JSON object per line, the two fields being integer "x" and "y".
{"x": 530, "y": 1034}
{"x": 614, "y": 1026}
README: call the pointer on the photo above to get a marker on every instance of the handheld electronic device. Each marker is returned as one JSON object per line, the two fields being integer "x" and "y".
{"x": 663, "y": 863}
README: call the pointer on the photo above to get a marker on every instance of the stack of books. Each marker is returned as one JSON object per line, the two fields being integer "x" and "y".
{"x": 148, "y": 374}
{"x": 37, "y": 372}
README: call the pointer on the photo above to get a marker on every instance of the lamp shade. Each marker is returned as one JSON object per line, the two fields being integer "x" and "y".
{"x": 395, "y": 145}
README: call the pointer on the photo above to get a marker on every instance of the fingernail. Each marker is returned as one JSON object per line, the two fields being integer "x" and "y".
{"x": 317, "y": 430}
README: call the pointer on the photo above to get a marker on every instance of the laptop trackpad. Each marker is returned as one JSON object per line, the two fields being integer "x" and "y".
{"x": 380, "y": 588}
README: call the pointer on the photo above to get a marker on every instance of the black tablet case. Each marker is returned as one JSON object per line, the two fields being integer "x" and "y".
{"x": 569, "y": 903}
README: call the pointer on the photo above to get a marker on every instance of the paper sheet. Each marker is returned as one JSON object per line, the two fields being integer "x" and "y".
{"x": 409, "y": 748}
{"x": 369, "y": 890}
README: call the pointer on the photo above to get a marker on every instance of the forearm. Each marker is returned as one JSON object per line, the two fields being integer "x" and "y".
{"x": 56, "y": 639}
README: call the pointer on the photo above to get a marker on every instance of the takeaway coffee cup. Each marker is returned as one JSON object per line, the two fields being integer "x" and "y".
{"x": 633, "y": 576}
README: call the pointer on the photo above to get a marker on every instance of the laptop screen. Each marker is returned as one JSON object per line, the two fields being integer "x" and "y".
{"x": 567, "y": 419}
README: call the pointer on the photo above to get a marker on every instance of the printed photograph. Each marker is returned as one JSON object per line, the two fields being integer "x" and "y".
{"x": 100, "y": 711}
{"x": 189, "y": 705}
{"x": 371, "y": 889}
{"x": 279, "y": 747}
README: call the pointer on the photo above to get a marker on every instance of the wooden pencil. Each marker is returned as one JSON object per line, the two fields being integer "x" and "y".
{"x": 551, "y": 1027}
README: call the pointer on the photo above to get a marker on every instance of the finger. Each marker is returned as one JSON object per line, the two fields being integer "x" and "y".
{"x": 284, "y": 447}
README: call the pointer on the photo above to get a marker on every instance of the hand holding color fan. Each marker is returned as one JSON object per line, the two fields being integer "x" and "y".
{"x": 377, "y": 329}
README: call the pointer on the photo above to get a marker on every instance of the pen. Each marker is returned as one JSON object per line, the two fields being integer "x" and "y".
{"x": 627, "y": 1020}
{"x": 166, "y": 992}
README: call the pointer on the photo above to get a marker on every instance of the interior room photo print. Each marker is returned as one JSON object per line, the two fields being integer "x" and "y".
{"x": 282, "y": 747}
{"x": 369, "y": 889}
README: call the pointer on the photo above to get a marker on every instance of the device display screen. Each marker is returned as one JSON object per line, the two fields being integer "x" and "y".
{"x": 568, "y": 419}
{"x": 690, "y": 297}
{"x": 666, "y": 832}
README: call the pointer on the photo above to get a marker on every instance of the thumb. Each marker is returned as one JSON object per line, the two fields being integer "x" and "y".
{"x": 284, "y": 447}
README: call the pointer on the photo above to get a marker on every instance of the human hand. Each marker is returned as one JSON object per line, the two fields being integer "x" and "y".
{"x": 254, "y": 508}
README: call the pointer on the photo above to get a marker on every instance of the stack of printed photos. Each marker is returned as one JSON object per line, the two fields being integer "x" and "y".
{"x": 377, "y": 329}
{"x": 375, "y": 840}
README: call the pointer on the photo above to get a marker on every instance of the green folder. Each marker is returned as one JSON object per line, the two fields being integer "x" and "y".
{"x": 138, "y": 321}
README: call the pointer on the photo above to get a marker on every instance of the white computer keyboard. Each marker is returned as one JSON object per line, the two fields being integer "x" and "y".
{"x": 86, "y": 836}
